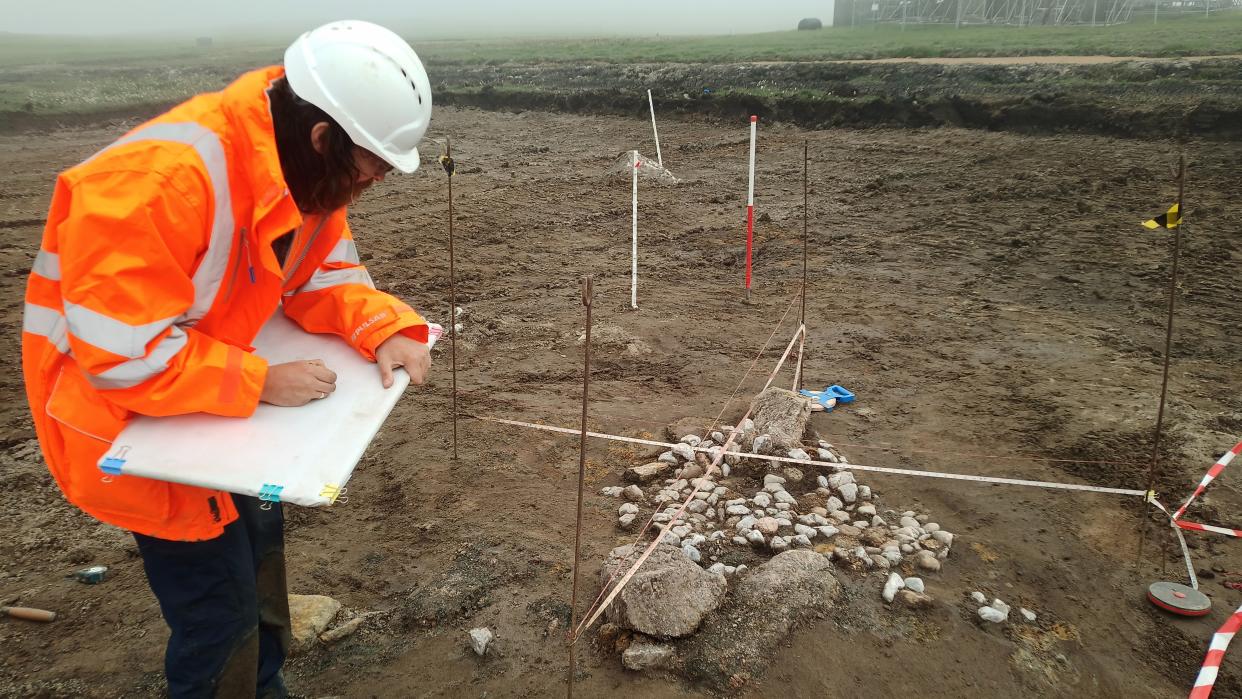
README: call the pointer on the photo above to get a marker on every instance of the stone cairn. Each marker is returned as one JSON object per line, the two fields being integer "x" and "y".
{"x": 771, "y": 506}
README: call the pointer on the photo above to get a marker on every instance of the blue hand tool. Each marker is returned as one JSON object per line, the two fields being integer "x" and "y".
{"x": 836, "y": 393}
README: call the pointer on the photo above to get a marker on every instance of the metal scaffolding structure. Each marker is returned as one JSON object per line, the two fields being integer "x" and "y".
{"x": 1018, "y": 13}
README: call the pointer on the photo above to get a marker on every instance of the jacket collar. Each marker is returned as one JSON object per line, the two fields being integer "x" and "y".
{"x": 246, "y": 105}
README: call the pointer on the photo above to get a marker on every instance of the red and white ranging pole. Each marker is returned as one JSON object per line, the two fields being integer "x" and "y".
{"x": 750, "y": 204}
{"x": 634, "y": 249}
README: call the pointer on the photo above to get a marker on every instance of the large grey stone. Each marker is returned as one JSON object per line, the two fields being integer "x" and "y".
{"x": 782, "y": 415}
{"x": 739, "y": 638}
{"x": 667, "y": 597}
{"x": 480, "y": 639}
{"x": 891, "y": 587}
{"x": 647, "y": 472}
{"x": 762, "y": 444}
{"x": 645, "y": 653}
{"x": 684, "y": 451}
{"x": 849, "y": 492}
{"x": 633, "y": 493}
{"x": 309, "y": 616}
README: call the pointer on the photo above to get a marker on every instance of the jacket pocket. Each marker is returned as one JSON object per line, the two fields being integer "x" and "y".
{"x": 76, "y": 404}
{"x": 88, "y": 425}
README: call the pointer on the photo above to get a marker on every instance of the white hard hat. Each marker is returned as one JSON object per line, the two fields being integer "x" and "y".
{"x": 369, "y": 81}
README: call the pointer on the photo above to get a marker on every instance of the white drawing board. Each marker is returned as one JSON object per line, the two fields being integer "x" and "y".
{"x": 303, "y": 455}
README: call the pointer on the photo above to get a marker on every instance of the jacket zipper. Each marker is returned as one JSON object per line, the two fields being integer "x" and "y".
{"x": 306, "y": 249}
{"x": 245, "y": 250}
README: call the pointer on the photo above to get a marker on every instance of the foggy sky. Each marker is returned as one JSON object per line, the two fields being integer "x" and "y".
{"x": 444, "y": 19}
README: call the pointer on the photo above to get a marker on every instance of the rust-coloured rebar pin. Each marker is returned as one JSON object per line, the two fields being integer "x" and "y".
{"x": 806, "y": 160}
{"x": 1153, "y": 472}
{"x": 446, "y": 161}
{"x": 588, "y": 296}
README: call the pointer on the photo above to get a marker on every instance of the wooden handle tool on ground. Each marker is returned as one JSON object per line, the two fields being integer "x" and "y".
{"x": 28, "y": 613}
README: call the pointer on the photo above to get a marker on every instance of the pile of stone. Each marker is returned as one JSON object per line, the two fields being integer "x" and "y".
{"x": 908, "y": 591}
{"x": 772, "y": 506}
{"x": 805, "y": 516}
{"x": 997, "y": 612}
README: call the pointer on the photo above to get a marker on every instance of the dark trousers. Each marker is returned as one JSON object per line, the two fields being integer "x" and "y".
{"x": 225, "y": 602}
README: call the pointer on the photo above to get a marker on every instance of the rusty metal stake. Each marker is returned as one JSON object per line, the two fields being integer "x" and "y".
{"x": 802, "y": 346}
{"x": 449, "y": 166}
{"x": 1154, "y": 471}
{"x": 588, "y": 295}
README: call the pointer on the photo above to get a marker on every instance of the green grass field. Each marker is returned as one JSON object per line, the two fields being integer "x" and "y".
{"x": 1174, "y": 36}
{"x": 67, "y": 75}
{"x": 1195, "y": 35}
{"x": 30, "y": 51}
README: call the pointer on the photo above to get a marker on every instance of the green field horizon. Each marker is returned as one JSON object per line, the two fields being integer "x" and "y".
{"x": 1184, "y": 35}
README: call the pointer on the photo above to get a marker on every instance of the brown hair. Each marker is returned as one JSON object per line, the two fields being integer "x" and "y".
{"x": 319, "y": 182}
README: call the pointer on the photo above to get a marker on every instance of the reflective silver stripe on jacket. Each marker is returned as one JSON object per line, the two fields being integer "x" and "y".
{"x": 48, "y": 323}
{"x": 131, "y": 341}
{"x": 344, "y": 251}
{"x": 323, "y": 279}
{"x": 108, "y": 333}
{"x": 209, "y": 276}
{"x": 135, "y": 371}
{"x": 47, "y": 265}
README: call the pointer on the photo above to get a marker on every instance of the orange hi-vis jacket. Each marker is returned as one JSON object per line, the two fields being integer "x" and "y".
{"x": 156, "y": 273}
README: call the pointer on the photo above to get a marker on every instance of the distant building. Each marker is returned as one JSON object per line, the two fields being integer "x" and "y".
{"x": 810, "y": 23}
{"x": 203, "y": 42}
{"x": 1016, "y": 13}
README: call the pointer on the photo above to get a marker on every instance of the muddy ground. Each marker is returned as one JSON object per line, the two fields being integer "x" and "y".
{"x": 990, "y": 297}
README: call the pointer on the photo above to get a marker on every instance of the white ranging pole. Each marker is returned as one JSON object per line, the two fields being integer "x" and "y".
{"x": 634, "y": 251}
{"x": 750, "y": 205}
{"x": 650, "y": 103}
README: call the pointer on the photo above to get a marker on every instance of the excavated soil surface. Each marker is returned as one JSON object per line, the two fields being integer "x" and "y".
{"x": 990, "y": 297}
{"x": 1146, "y": 98}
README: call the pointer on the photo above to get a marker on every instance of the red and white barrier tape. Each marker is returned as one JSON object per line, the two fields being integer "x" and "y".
{"x": 1210, "y": 476}
{"x": 1215, "y": 655}
{"x": 1220, "y": 640}
{"x": 1195, "y": 526}
{"x": 1181, "y": 540}
{"x": 1176, "y": 518}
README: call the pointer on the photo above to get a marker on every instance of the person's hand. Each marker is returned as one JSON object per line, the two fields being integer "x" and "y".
{"x": 401, "y": 351}
{"x": 297, "y": 383}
